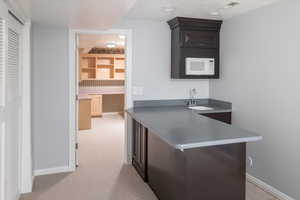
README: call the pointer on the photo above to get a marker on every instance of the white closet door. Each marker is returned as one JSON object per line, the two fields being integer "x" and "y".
{"x": 13, "y": 66}
{"x": 2, "y": 100}
{"x": 12, "y": 112}
{"x": 2, "y": 62}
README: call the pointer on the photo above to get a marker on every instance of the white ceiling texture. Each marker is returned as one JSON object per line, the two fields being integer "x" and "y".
{"x": 207, "y": 9}
{"x": 87, "y": 14}
{"x": 95, "y": 14}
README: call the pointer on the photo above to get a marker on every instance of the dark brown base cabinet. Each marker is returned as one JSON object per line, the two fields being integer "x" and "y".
{"x": 223, "y": 117}
{"x": 139, "y": 149}
{"x": 206, "y": 173}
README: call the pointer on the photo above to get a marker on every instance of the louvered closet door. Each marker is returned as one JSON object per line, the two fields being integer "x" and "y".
{"x": 2, "y": 62}
{"x": 2, "y": 100}
{"x": 13, "y": 111}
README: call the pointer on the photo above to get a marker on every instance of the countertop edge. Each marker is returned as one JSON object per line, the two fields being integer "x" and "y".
{"x": 183, "y": 147}
{"x": 220, "y": 110}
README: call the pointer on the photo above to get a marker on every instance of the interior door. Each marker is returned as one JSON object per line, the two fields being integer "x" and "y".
{"x": 77, "y": 99}
{"x": 13, "y": 110}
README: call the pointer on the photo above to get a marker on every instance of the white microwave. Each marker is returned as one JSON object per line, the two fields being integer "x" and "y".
{"x": 199, "y": 66}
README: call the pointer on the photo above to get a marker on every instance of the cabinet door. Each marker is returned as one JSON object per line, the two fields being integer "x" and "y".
{"x": 139, "y": 156}
{"x": 96, "y": 105}
{"x": 135, "y": 141}
{"x": 199, "y": 39}
{"x": 84, "y": 114}
{"x": 144, "y": 147}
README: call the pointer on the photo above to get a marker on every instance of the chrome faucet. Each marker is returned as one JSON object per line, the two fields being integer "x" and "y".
{"x": 192, "y": 101}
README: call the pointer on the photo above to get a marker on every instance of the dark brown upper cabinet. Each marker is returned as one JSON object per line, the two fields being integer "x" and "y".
{"x": 194, "y": 38}
{"x": 198, "y": 39}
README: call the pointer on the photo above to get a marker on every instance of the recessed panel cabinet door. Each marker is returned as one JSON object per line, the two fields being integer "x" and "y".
{"x": 200, "y": 39}
{"x": 96, "y": 105}
{"x": 143, "y": 149}
{"x": 139, "y": 146}
{"x": 135, "y": 141}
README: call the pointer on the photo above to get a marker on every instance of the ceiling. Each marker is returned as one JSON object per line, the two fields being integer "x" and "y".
{"x": 88, "y": 14}
{"x": 89, "y": 41}
{"x": 101, "y": 14}
{"x": 156, "y": 9}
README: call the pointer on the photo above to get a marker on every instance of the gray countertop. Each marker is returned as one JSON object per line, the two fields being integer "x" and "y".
{"x": 184, "y": 128}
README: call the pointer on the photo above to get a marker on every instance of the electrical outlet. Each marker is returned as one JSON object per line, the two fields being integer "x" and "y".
{"x": 250, "y": 159}
{"x": 135, "y": 90}
{"x": 141, "y": 91}
{"x": 138, "y": 91}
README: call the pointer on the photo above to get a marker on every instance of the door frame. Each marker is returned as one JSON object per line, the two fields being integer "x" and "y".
{"x": 27, "y": 176}
{"x": 73, "y": 127}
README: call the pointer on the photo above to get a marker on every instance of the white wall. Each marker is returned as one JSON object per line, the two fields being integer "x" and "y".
{"x": 152, "y": 63}
{"x": 260, "y": 70}
{"x": 151, "y": 70}
{"x": 50, "y": 90}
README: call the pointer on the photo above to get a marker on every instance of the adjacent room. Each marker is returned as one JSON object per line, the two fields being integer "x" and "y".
{"x": 101, "y": 90}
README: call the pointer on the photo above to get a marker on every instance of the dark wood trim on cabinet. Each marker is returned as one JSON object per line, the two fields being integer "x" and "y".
{"x": 195, "y": 23}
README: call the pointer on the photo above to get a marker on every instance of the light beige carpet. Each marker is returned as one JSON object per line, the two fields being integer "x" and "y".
{"x": 101, "y": 174}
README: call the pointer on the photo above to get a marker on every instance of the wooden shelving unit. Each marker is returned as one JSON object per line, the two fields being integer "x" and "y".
{"x": 102, "y": 66}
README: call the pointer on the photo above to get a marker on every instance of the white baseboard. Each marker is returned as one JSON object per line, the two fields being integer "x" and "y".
{"x": 55, "y": 170}
{"x": 268, "y": 188}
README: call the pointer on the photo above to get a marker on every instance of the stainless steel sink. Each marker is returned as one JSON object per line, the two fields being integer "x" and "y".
{"x": 200, "y": 108}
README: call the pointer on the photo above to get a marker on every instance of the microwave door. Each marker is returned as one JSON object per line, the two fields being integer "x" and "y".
{"x": 200, "y": 66}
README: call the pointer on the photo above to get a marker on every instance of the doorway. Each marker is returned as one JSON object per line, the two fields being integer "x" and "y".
{"x": 102, "y": 87}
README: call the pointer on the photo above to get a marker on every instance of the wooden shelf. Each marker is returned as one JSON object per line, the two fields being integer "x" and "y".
{"x": 105, "y": 66}
{"x": 89, "y": 68}
{"x": 115, "y": 63}
{"x": 105, "y": 58}
{"x": 120, "y": 70}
